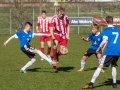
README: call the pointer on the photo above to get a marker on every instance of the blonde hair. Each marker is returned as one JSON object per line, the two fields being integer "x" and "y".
{"x": 95, "y": 26}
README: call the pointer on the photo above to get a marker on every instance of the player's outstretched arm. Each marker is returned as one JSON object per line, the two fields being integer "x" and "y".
{"x": 5, "y": 43}
{"x": 85, "y": 39}
{"x": 51, "y": 31}
{"x": 37, "y": 29}
{"x": 40, "y": 34}
{"x": 68, "y": 32}
{"x": 102, "y": 45}
{"x": 103, "y": 42}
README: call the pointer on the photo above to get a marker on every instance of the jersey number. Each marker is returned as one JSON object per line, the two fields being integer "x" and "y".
{"x": 116, "y": 36}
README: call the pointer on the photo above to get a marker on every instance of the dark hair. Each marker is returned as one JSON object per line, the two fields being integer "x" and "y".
{"x": 95, "y": 25}
{"x": 109, "y": 19}
{"x": 29, "y": 23}
{"x": 44, "y": 12}
{"x": 58, "y": 10}
{"x": 61, "y": 8}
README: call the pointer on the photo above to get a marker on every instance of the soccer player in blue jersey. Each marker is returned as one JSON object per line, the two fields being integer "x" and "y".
{"x": 111, "y": 35}
{"x": 95, "y": 37}
{"x": 25, "y": 37}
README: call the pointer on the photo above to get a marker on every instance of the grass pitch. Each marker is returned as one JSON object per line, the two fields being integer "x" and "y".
{"x": 41, "y": 75}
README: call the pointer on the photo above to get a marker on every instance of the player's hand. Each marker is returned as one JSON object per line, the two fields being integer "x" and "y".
{"x": 83, "y": 38}
{"x": 68, "y": 37}
{"x": 49, "y": 35}
{"x": 4, "y": 44}
{"x": 38, "y": 31}
{"x": 53, "y": 37}
{"x": 98, "y": 50}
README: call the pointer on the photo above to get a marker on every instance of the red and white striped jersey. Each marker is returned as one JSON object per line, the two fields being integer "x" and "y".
{"x": 43, "y": 24}
{"x": 60, "y": 25}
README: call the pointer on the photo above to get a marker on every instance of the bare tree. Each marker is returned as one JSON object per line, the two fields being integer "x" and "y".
{"x": 20, "y": 14}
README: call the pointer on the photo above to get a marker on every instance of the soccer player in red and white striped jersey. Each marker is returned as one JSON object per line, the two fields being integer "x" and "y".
{"x": 60, "y": 32}
{"x": 43, "y": 27}
{"x": 66, "y": 16}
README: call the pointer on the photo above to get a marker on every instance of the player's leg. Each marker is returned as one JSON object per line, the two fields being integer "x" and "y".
{"x": 42, "y": 48}
{"x": 59, "y": 51}
{"x": 49, "y": 49}
{"x": 63, "y": 43}
{"x": 82, "y": 63}
{"x": 95, "y": 75}
{"x": 54, "y": 51}
{"x": 99, "y": 56}
{"x": 42, "y": 40}
{"x": 87, "y": 54}
{"x": 55, "y": 45}
{"x": 105, "y": 62}
{"x": 32, "y": 51}
{"x": 44, "y": 56}
{"x": 114, "y": 71}
{"x": 30, "y": 63}
{"x": 30, "y": 55}
{"x": 48, "y": 39}
{"x": 114, "y": 75}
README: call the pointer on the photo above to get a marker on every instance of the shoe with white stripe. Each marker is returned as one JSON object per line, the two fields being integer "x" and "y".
{"x": 51, "y": 63}
{"x": 42, "y": 59}
{"x": 23, "y": 71}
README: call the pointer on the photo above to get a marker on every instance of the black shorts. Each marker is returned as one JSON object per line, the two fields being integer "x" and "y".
{"x": 107, "y": 60}
{"x": 89, "y": 52}
{"x": 28, "y": 50}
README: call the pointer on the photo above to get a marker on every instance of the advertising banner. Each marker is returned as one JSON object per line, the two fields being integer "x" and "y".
{"x": 101, "y": 20}
{"x": 81, "y": 21}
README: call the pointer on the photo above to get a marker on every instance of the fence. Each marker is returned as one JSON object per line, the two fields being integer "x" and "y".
{"x": 12, "y": 19}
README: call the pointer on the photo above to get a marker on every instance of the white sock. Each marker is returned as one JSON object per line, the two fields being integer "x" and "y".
{"x": 29, "y": 63}
{"x": 99, "y": 60}
{"x": 83, "y": 64}
{"x": 43, "y": 56}
{"x": 96, "y": 74}
{"x": 114, "y": 74}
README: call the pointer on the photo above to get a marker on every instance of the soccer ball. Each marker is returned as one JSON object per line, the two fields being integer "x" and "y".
{"x": 64, "y": 50}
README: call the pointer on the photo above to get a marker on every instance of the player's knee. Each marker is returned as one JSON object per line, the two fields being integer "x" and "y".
{"x": 113, "y": 66}
{"x": 33, "y": 59}
{"x": 49, "y": 43}
{"x": 49, "y": 46}
{"x": 84, "y": 57}
{"x": 55, "y": 47}
{"x": 99, "y": 57}
{"x": 42, "y": 46}
{"x": 35, "y": 51}
{"x": 100, "y": 66}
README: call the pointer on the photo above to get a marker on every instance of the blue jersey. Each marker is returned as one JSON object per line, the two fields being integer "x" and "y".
{"x": 112, "y": 34}
{"x": 96, "y": 40}
{"x": 25, "y": 37}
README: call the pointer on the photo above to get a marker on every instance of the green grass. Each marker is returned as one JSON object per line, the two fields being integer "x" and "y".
{"x": 41, "y": 75}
